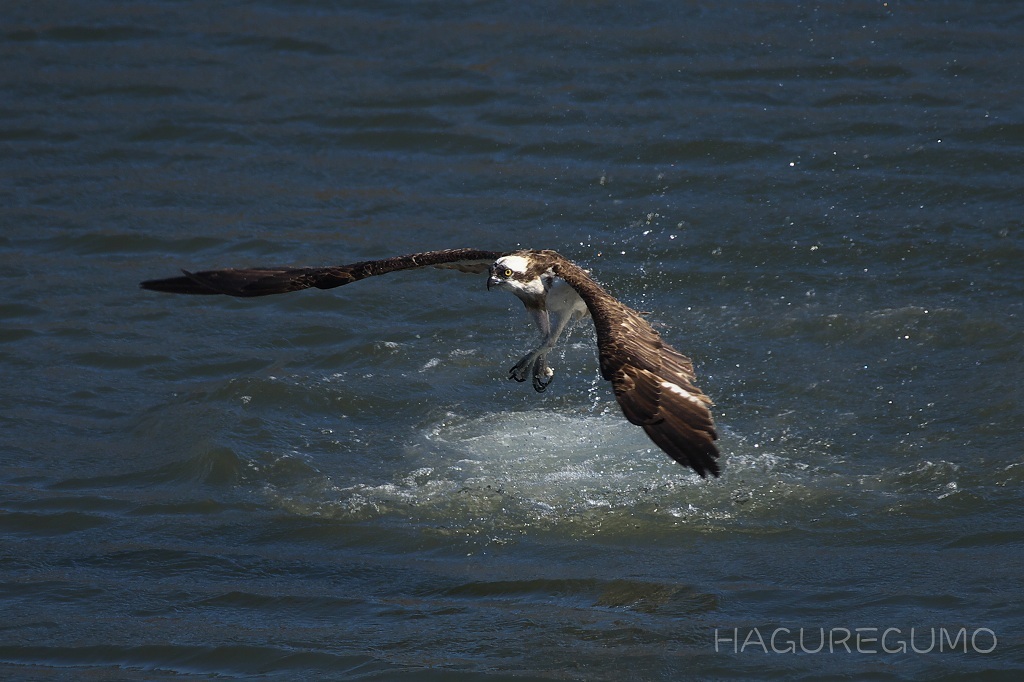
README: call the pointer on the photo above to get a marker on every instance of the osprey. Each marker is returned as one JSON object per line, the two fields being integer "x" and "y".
{"x": 652, "y": 381}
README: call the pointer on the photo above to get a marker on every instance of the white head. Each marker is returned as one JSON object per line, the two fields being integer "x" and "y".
{"x": 519, "y": 274}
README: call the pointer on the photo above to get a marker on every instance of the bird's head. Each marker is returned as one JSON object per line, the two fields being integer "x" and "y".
{"x": 520, "y": 275}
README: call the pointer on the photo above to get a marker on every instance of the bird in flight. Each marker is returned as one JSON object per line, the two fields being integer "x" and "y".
{"x": 652, "y": 381}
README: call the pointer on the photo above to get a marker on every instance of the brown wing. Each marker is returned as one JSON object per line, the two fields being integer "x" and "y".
{"x": 266, "y": 281}
{"x": 653, "y": 382}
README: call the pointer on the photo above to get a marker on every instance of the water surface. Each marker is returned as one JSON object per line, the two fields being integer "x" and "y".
{"x": 819, "y": 203}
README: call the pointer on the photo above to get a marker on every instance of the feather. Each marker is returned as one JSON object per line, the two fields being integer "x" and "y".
{"x": 652, "y": 381}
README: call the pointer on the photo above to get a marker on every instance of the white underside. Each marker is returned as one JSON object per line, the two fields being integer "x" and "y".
{"x": 563, "y": 306}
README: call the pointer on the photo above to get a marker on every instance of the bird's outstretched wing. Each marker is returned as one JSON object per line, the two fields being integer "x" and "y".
{"x": 266, "y": 281}
{"x": 653, "y": 382}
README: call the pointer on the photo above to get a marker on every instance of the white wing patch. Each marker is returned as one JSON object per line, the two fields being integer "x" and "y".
{"x": 682, "y": 393}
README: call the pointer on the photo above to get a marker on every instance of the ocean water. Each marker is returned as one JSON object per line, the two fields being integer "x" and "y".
{"x": 821, "y": 203}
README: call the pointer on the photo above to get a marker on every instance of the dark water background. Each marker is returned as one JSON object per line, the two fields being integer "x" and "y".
{"x": 820, "y": 202}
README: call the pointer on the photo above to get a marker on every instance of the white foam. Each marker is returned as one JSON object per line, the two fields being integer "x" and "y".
{"x": 507, "y": 472}
{"x": 514, "y": 473}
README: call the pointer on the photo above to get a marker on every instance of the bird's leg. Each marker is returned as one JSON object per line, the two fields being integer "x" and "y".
{"x": 535, "y": 362}
{"x": 528, "y": 364}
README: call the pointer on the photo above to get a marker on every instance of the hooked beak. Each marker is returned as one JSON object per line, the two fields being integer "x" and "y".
{"x": 492, "y": 281}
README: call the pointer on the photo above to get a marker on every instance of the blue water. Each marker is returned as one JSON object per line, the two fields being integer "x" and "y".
{"x": 821, "y": 204}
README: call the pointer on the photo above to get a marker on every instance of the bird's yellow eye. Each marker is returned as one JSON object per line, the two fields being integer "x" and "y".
{"x": 507, "y": 273}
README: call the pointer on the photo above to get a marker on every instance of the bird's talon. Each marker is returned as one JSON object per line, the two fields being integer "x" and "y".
{"x": 542, "y": 375}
